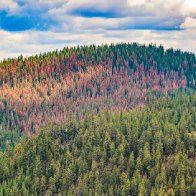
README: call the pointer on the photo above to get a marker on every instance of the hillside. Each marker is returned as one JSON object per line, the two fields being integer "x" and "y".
{"x": 99, "y": 120}
{"x": 74, "y": 81}
{"x": 144, "y": 151}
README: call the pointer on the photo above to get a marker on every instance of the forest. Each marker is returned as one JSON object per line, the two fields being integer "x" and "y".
{"x": 99, "y": 120}
{"x": 148, "y": 150}
{"x": 51, "y": 86}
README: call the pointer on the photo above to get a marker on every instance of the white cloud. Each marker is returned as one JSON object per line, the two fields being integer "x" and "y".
{"x": 9, "y": 5}
{"x": 103, "y": 5}
{"x": 33, "y": 42}
{"x": 188, "y": 8}
{"x": 189, "y": 23}
{"x": 138, "y": 14}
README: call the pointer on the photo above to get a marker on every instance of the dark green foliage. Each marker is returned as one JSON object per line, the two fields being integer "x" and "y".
{"x": 8, "y": 137}
{"x": 147, "y": 150}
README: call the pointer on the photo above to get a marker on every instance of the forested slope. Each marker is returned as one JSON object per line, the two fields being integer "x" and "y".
{"x": 99, "y": 120}
{"x": 146, "y": 150}
{"x": 52, "y": 86}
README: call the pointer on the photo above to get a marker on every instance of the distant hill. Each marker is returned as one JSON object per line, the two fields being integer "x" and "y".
{"x": 74, "y": 81}
{"x": 99, "y": 120}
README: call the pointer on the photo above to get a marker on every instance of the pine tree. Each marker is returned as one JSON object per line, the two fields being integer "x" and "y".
{"x": 124, "y": 184}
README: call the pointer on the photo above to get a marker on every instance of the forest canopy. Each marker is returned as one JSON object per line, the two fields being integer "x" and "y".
{"x": 52, "y": 86}
{"x": 148, "y": 150}
{"x": 99, "y": 120}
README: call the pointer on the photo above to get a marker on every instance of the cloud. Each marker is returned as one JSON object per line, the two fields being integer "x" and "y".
{"x": 189, "y": 23}
{"x": 34, "y": 42}
{"x": 9, "y": 5}
{"x": 127, "y": 14}
{"x": 188, "y": 8}
{"x": 83, "y": 23}
{"x": 70, "y": 15}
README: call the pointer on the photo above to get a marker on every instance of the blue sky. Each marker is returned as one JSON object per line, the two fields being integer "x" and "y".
{"x": 33, "y": 26}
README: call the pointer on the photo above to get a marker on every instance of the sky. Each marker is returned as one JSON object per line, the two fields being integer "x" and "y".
{"x": 32, "y": 26}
